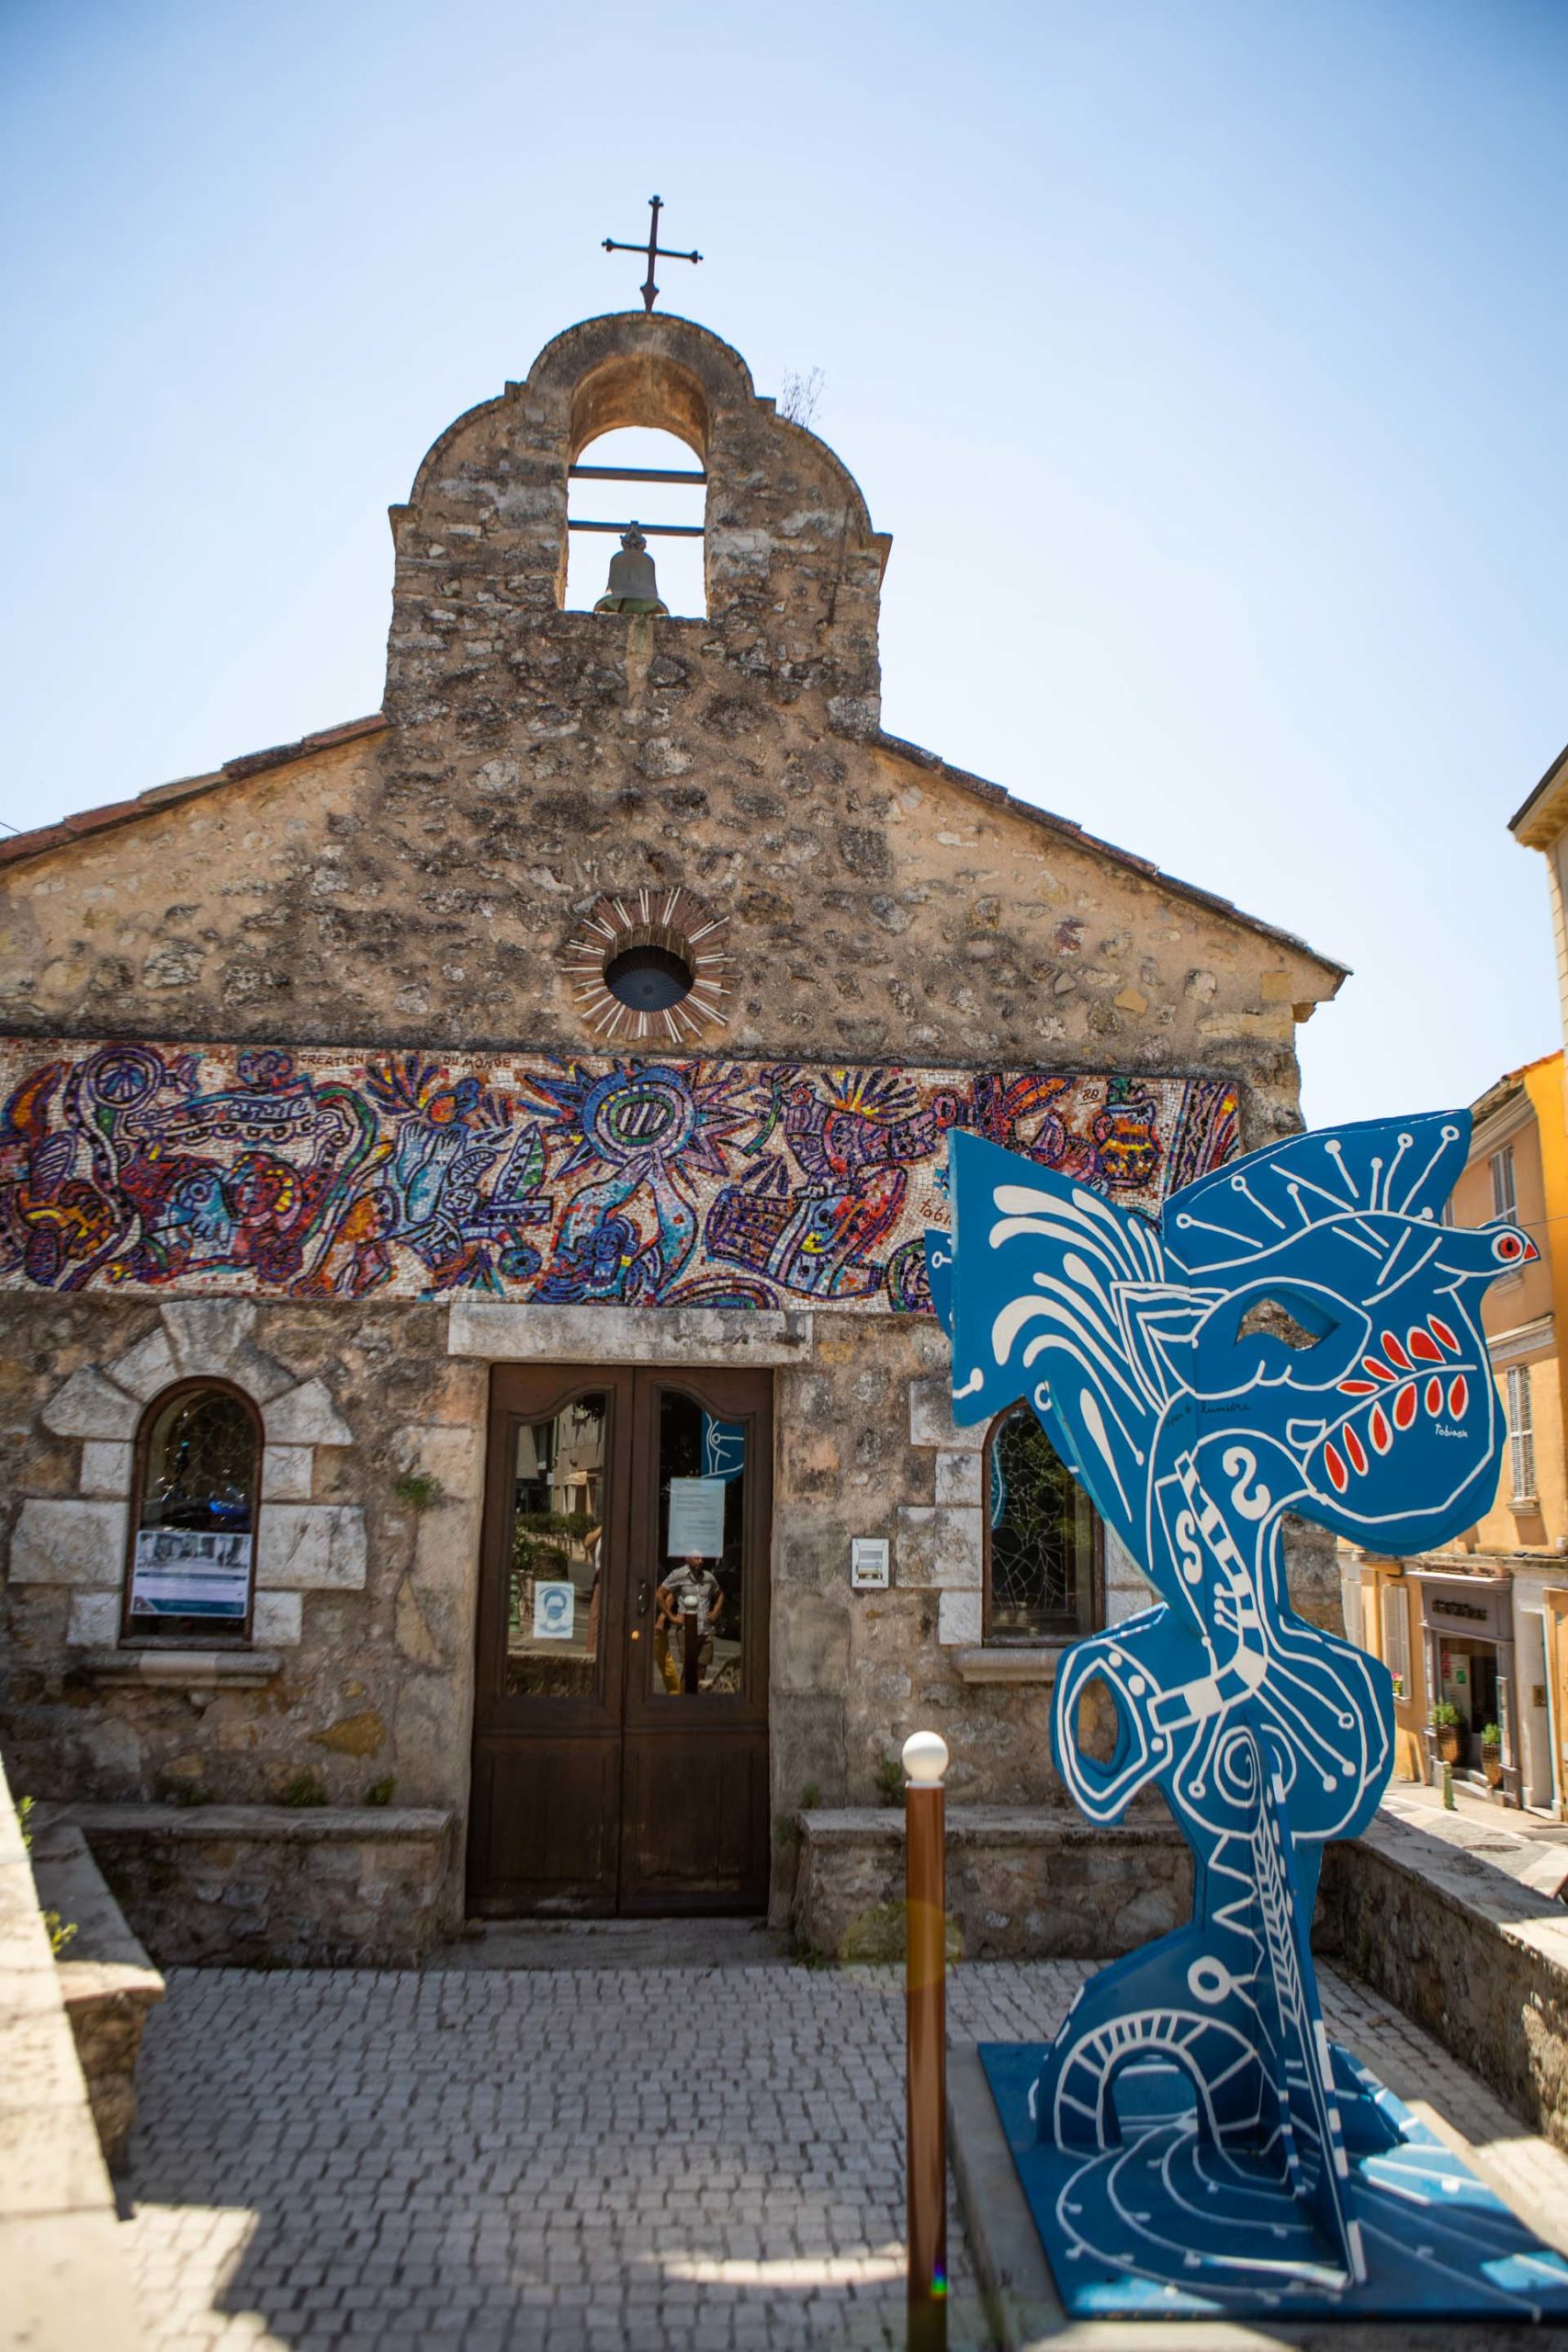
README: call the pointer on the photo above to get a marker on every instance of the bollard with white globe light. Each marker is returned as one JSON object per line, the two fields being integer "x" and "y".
{"x": 925, "y": 1979}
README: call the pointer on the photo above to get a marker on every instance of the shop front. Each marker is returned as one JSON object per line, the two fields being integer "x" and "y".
{"x": 1467, "y": 1640}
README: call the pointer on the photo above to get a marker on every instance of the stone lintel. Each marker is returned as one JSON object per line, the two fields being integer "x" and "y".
{"x": 178, "y": 1669}
{"x": 268, "y": 1825}
{"x": 67, "y": 1541}
{"x": 286, "y": 1473}
{"x": 502, "y": 1333}
{"x": 940, "y": 1547}
{"x": 932, "y": 1423}
{"x": 958, "y": 1620}
{"x": 90, "y": 1406}
{"x": 1012, "y": 1665}
{"x": 305, "y": 1415}
{"x": 310, "y": 1547}
{"x": 106, "y": 1467}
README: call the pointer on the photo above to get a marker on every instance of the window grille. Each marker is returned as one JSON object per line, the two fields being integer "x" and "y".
{"x": 1043, "y": 1547}
{"x": 191, "y": 1569}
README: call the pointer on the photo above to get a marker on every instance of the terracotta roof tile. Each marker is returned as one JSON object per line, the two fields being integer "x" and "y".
{"x": 253, "y": 762}
{"x": 29, "y": 845}
{"x": 90, "y": 820}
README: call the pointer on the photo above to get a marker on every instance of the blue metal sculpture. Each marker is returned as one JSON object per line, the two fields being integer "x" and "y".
{"x": 1301, "y": 1334}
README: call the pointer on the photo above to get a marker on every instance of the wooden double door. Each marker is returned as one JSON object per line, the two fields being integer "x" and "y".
{"x": 621, "y": 1715}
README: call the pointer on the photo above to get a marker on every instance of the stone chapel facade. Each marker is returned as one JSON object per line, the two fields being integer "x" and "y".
{"x": 462, "y": 1180}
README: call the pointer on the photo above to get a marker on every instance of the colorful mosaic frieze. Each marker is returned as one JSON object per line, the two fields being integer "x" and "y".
{"x": 708, "y": 1183}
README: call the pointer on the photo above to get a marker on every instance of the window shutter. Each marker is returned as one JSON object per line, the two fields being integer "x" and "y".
{"x": 1504, "y": 1199}
{"x": 1521, "y": 1432}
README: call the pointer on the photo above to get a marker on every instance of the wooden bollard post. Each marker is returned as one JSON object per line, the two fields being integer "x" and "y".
{"x": 925, "y": 1980}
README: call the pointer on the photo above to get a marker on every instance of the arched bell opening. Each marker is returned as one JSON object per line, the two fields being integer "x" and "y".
{"x": 642, "y": 389}
{"x": 637, "y": 512}
{"x": 637, "y": 446}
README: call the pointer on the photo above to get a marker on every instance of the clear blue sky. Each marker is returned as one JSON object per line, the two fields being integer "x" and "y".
{"x": 1206, "y": 362}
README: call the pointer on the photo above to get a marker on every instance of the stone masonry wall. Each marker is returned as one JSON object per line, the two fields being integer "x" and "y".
{"x": 866, "y": 1445}
{"x": 364, "y": 1606}
{"x": 260, "y": 1885}
{"x": 875, "y": 908}
{"x": 1023, "y": 1884}
{"x": 1473, "y": 1957}
{"x": 410, "y": 884}
{"x": 411, "y": 887}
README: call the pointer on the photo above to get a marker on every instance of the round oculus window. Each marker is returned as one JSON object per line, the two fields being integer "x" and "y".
{"x": 650, "y": 964}
{"x": 648, "y": 980}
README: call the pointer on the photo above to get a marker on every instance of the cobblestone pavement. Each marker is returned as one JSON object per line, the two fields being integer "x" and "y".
{"x": 705, "y": 2158}
{"x": 1529, "y": 1848}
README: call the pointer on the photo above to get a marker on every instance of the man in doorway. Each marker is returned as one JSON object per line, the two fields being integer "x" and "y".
{"x": 690, "y": 1590}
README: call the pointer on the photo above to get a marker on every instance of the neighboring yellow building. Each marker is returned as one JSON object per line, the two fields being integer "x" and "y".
{"x": 1542, "y": 824}
{"x": 1484, "y": 1623}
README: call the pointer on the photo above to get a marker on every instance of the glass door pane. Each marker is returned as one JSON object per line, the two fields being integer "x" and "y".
{"x": 699, "y": 1598}
{"x": 553, "y": 1586}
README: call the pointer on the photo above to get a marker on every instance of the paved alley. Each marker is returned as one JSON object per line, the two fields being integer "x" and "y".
{"x": 704, "y": 2157}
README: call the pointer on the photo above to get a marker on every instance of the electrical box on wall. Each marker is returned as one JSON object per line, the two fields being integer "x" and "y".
{"x": 868, "y": 1563}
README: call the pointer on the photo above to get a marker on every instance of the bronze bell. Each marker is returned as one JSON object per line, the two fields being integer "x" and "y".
{"x": 633, "y": 585}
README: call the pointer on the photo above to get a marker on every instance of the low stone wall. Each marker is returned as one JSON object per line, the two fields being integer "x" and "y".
{"x": 106, "y": 1981}
{"x": 320, "y": 1887}
{"x": 64, "y": 2281}
{"x": 1022, "y": 1883}
{"x": 1478, "y": 1959}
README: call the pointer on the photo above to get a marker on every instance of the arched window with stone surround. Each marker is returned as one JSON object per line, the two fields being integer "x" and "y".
{"x": 191, "y": 1572}
{"x": 1044, "y": 1547}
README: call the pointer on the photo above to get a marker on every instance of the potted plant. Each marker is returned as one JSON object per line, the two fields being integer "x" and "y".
{"x": 1492, "y": 1754}
{"x": 1445, "y": 1722}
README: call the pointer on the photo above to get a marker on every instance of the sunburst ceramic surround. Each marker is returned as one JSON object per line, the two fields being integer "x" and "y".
{"x": 678, "y": 922}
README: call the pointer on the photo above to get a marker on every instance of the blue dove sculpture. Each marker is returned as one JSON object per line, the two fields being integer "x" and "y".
{"x": 1300, "y": 1334}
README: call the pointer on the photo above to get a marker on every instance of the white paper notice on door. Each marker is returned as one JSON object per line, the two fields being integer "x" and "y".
{"x": 554, "y": 1607}
{"x": 696, "y": 1518}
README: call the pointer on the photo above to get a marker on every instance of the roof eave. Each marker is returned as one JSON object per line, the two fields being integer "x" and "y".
{"x": 43, "y": 837}
{"x": 1543, "y": 816}
{"x": 999, "y": 796}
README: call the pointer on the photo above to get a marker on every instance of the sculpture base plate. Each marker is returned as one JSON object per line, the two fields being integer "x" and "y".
{"x": 1164, "y": 2226}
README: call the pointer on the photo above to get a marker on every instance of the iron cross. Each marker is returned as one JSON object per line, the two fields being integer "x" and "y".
{"x": 655, "y": 252}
